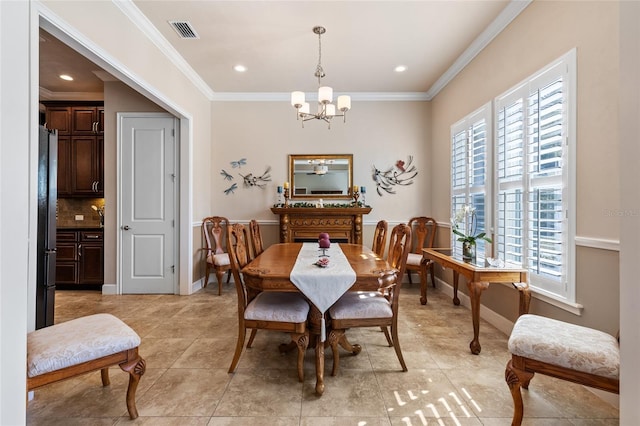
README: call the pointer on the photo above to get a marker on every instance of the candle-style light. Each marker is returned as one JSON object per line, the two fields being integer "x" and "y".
{"x": 286, "y": 193}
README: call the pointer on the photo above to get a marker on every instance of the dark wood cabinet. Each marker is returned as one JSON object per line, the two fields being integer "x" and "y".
{"x": 90, "y": 255}
{"x": 86, "y": 166}
{"x": 58, "y": 118}
{"x": 64, "y": 166}
{"x": 80, "y": 147}
{"x": 80, "y": 257}
{"x": 87, "y": 120}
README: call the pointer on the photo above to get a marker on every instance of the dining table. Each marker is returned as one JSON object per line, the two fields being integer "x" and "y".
{"x": 282, "y": 267}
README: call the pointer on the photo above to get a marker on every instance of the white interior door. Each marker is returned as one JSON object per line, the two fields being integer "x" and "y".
{"x": 147, "y": 203}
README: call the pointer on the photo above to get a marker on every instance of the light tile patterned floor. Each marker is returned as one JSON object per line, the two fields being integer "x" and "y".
{"x": 188, "y": 343}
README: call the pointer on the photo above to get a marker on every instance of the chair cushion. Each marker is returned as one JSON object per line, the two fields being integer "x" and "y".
{"x": 566, "y": 345}
{"x": 276, "y": 306}
{"x": 361, "y": 304}
{"x": 77, "y": 341}
{"x": 220, "y": 259}
{"x": 414, "y": 259}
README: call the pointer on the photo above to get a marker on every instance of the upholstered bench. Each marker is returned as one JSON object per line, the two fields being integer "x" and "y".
{"x": 90, "y": 343}
{"x": 562, "y": 350}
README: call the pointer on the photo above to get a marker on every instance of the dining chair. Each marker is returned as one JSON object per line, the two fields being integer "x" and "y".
{"x": 274, "y": 311}
{"x": 373, "y": 308}
{"x": 256, "y": 237}
{"x": 380, "y": 238}
{"x": 424, "y": 234}
{"x": 217, "y": 257}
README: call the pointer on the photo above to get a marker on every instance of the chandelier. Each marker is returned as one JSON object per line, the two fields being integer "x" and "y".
{"x": 326, "y": 109}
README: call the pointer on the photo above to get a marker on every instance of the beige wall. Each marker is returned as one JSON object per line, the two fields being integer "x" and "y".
{"x": 118, "y": 97}
{"x": 265, "y": 133}
{"x": 543, "y": 32}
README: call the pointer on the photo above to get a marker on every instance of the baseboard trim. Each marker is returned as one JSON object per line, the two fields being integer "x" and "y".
{"x": 109, "y": 289}
{"x": 197, "y": 285}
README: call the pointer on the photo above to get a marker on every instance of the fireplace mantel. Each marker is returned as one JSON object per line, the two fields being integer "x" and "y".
{"x": 305, "y": 223}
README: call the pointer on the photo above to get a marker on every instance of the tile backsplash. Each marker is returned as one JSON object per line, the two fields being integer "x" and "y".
{"x": 69, "y": 208}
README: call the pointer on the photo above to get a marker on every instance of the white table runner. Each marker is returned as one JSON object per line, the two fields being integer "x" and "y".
{"x": 322, "y": 286}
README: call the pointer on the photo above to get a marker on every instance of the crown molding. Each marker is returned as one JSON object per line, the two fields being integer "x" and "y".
{"x": 48, "y": 95}
{"x": 508, "y": 14}
{"x": 131, "y": 11}
{"x": 286, "y": 96}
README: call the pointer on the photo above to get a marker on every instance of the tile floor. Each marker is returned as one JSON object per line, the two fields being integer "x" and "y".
{"x": 188, "y": 343}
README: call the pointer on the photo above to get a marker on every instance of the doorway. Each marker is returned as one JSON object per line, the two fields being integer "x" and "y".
{"x": 183, "y": 234}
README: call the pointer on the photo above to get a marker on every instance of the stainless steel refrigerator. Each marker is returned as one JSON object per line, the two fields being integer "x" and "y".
{"x": 47, "y": 197}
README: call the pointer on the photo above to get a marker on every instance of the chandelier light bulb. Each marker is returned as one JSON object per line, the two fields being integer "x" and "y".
{"x": 330, "y": 110}
{"x": 297, "y": 99}
{"x": 325, "y": 94}
{"x": 344, "y": 103}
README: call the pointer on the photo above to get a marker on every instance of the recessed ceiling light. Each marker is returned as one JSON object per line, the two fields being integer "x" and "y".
{"x": 400, "y": 68}
{"x": 240, "y": 68}
{"x": 66, "y": 77}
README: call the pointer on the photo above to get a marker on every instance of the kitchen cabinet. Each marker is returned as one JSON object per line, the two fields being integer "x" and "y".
{"x": 64, "y": 166}
{"x": 80, "y": 147}
{"x": 86, "y": 166}
{"x": 87, "y": 120}
{"x": 80, "y": 257}
{"x": 59, "y": 118}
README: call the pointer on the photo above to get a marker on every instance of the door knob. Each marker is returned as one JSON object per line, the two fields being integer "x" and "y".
{"x": 126, "y": 227}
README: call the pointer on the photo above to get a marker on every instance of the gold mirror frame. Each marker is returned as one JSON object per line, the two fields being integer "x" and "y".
{"x": 321, "y": 176}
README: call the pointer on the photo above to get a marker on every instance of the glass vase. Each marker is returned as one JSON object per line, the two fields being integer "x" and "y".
{"x": 468, "y": 250}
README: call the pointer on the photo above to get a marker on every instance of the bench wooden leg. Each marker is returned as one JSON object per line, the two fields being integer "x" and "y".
{"x": 136, "y": 368}
{"x": 104, "y": 374}
{"x": 516, "y": 379}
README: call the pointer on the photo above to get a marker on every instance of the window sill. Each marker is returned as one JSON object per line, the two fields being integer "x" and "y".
{"x": 574, "y": 308}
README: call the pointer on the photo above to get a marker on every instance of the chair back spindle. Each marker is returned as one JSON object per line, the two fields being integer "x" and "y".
{"x": 256, "y": 237}
{"x": 380, "y": 238}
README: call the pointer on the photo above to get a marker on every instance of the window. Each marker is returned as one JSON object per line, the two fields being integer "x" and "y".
{"x": 470, "y": 142}
{"x": 532, "y": 191}
{"x": 534, "y": 201}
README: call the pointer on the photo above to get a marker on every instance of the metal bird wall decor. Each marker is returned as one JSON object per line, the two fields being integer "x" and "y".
{"x": 250, "y": 180}
{"x": 401, "y": 174}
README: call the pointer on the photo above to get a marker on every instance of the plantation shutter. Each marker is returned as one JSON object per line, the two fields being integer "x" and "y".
{"x": 470, "y": 141}
{"x": 532, "y": 202}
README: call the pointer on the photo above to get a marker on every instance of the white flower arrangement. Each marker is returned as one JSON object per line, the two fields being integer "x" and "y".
{"x": 467, "y": 216}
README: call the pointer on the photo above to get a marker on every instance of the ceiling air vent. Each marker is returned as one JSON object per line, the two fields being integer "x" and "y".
{"x": 184, "y": 29}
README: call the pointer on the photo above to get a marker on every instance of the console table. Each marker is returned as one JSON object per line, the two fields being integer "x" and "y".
{"x": 343, "y": 224}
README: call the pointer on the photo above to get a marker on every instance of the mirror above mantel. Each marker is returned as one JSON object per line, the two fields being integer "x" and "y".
{"x": 321, "y": 175}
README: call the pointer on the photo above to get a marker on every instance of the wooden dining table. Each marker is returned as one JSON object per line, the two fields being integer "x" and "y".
{"x": 271, "y": 270}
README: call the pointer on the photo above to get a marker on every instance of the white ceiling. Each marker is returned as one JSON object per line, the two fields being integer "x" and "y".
{"x": 364, "y": 42}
